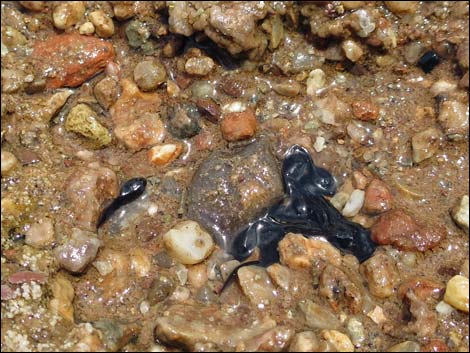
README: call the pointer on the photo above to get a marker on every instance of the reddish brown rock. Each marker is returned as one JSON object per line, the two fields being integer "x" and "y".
{"x": 364, "y": 110}
{"x": 239, "y": 126}
{"x": 71, "y": 59}
{"x": 378, "y": 197}
{"x": 399, "y": 229}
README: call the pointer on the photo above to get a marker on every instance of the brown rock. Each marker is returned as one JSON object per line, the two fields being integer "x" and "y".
{"x": 71, "y": 59}
{"x": 424, "y": 288}
{"x": 378, "y": 197}
{"x": 239, "y": 126}
{"x": 399, "y": 229}
{"x": 381, "y": 274}
{"x": 364, "y": 110}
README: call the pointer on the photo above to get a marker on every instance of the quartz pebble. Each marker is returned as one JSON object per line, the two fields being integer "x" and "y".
{"x": 8, "y": 162}
{"x": 161, "y": 155}
{"x": 354, "y": 204}
{"x": 68, "y": 13}
{"x": 104, "y": 25}
{"x": 453, "y": 117}
{"x": 352, "y": 50}
{"x": 425, "y": 144}
{"x": 149, "y": 74}
{"x": 315, "y": 81}
{"x": 256, "y": 285}
{"x": 40, "y": 234}
{"x": 457, "y": 293}
{"x": 199, "y": 66}
{"x": 460, "y": 212}
{"x": 188, "y": 243}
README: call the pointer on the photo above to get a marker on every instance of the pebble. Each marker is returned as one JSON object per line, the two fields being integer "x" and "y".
{"x": 307, "y": 341}
{"x": 442, "y": 87}
{"x": 406, "y": 346}
{"x": 281, "y": 277}
{"x": 380, "y": 271}
{"x": 87, "y": 28}
{"x": 352, "y": 50}
{"x": 79, "y": 251}
{"x": 402, "y": 7}
{"x": 318, "y": 316}
{"x": 288, "y": 88}
{"x": 339, "y": 341}
{"x": 27, "y": 276}
{"x": 354, "y": 204}
{"x": 83, "y": 120}
{"x": 161, "y": 155}
{"x": 239, "y": 126}
{"x": 315, "y": 81}
{"x": 460, "y": 213}
{"x": 149, "y": 74}
{"x": 8, "y": 162}
{"x": 256, "y": 285}
{"x": 364, "y": 110}
{"x": 429, "y": 61}
{"x": 453, "y": 117}
{"x": 340, "y": 199}
{"x": 104, "y": 25}
{"x": 197, "y": 275}
{"x": 106, "y": 92}
{"x": 34, "y": 5}
{"x": 457, "y": 293}
{"x": 40, "y": 234}
{"x": 425, "y": 144}
{"x": 378, "y": 198}
{"x": 199, "y": 66}
{"x": 319, "y": 144}
{"x": 68, "y": 14}
{"x": 188, "y": 243}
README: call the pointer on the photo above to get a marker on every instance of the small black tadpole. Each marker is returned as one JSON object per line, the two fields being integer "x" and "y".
{"x": 429, "y": 61}
{"x": 129, "y": 192}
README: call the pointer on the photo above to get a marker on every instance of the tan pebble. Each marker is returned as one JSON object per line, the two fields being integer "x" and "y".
{"x": 239, "y": 125}
{"x": 161, "y": 155}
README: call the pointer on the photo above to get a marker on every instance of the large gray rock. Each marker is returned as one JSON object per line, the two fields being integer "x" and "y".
{"x": 231, "y": 188}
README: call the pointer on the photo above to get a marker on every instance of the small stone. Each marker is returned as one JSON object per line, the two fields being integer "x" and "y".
{"x": 199, "y": 66}
{"x": 457, "y": 293}
{"x": 442, "y": 87}
{"x": 354, "y": 204}
{"x": 319, "y": 144}
{"x": 425, "y": 144}
{"x": 239, "y": 126}
{"x": 256, "y": 285}
{"x": 360, "y": 181}
{"x": 288, "y": 88}
{"x": 429, "y": 61}
{"x": 197, "y": 275}
{"x": 460, "y": 213}
{"x": 281, "y": 276}
{"x": 340, "y": 199}
{"x": 78, "y": 252}
{"x": 406, "y": 346}
{"x": 377, "y": 315}
{"x": 315, "y": 81}
{"x": 188, "y": 243}
{"x": 318, "y": 316}
{"x": 364, "y": 110}
{"x": 352, "y": 50}
{"x": 68, "y": 13}
{"x": 106, "y": 92}
{"x": 83, "y": 120}
{"x": 378, "y": 198}
{"x": 402, "y": 7}
{"x": 161, "y": 155}
{"x": 339, "y": 341}
{"x": 149, "y": 74}
{"x": 8, "y": 162}
{"x": 104, "y": 25}
{"x": 87, "y": 28}
{"x": 297, "y": 251}
{"x": 453, "y": 117}
{"x": 40, "y": 234}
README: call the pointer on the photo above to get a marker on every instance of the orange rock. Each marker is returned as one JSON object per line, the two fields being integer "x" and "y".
{"x": 239, "y": 125}
{"x": 71, "y": 59}
{"x": 136, "y": 119}
{"x": 161, "y": 155}
{"x": 378, "y": 198}
{"x": 364, "y": 110}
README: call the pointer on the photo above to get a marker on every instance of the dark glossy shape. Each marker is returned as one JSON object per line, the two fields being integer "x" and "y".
{"x": 429, "y": 61}
{"x": 303, "y": 210}
{"x": 129, "y": 192}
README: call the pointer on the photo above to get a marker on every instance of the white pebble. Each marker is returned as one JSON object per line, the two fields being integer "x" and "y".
{"x": 354, "y": 204}
{"x": 188, "y": 243}
{"x": 444, "y": 309}
{"x": 460, "y": 213}
{"x": 234, "y": 107}
{"x": 442, "y": 86}
{"x": 319, "y": 144}
{"x": 352, "y": 50}
{"x": 315, "y": 81}
{"x": 144, "y": 307}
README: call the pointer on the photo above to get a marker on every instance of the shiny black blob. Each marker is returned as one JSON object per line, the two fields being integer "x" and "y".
{"x": 303, "y": 210}
{"x": 429, "y": 61}
{"x": 129, "y": 192}
{"x": 222, "y": 56}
